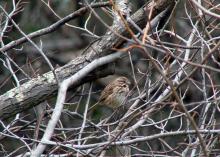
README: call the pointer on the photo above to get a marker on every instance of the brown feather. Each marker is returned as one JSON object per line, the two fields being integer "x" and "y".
{"x": 114, "y": 94}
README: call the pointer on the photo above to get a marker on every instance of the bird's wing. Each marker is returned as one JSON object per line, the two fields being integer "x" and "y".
{"x": 106, "y": 92}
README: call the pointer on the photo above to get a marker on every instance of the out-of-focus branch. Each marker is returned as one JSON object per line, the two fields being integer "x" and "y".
{"x": 53, "y": 27}
{"x": 205, "y": 10}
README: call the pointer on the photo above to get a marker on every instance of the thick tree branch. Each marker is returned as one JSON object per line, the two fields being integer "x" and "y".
{"x": 39, "y": 89}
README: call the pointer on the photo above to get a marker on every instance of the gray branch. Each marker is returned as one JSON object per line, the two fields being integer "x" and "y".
{"x": 42, "y": 87}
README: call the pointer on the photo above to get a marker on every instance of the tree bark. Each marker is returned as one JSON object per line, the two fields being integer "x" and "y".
{"x": 42, "y": 87}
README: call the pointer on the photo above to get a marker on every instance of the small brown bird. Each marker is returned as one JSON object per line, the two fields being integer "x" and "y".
{"x": 114, "y": 94}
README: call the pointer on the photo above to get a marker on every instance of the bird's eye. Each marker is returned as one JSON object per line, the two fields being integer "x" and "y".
{"x": 124, "y": 85}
